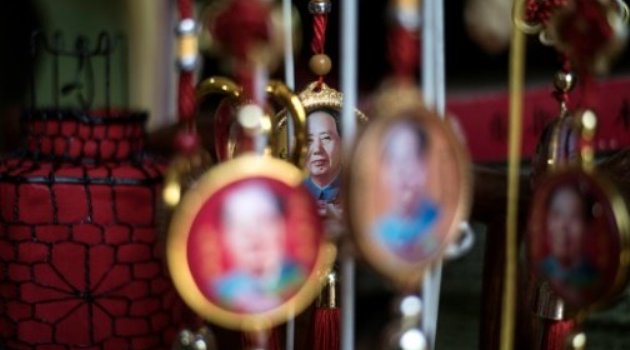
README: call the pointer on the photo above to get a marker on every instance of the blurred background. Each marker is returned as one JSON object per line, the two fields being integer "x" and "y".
{"x": 477, "y": 35}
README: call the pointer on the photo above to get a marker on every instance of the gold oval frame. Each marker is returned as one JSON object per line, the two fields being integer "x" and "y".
{"x": 177, "y": 258}
{"x": 404, "y": 274}
{"x": 619, "y": 210}
{"x": 313, "y": 97}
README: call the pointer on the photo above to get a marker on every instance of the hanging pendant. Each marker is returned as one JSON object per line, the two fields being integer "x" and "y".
{"x": 579, "y": 237}
{"x": 579, "y": 230}
{"x": 409, "y": 188}
{"x": 323, "y": 161}
{"x": 245, "y": 247}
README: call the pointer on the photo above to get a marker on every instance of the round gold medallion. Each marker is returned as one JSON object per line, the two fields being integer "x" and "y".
{"x": 245, "y": 246}
{"x": 579, "y": 237}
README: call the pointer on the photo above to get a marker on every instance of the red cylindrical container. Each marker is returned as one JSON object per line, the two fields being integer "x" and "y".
{"x": 80, "y": 260}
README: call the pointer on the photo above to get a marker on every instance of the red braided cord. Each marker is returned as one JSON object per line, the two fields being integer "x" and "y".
{"x": 320, "y": 22}
{"x": 186, "y": 103}
{"x": 540, "y": 11}
{"x": 403, "y": 52}
{"x": 587, "y": 32}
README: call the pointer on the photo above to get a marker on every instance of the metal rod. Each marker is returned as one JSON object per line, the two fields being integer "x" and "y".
{"x": 428, "y": 48}
{"x": 517, "y": 73}
{"x": 289, "y": 65}
{"x": 289, "y": 78}
{"x": 347, "y": 300}
{"x": 348, "y": 49}
{"x": 434, "y": 92}
{"x": 349, "y": 70}
{"x": 440, "y": 59}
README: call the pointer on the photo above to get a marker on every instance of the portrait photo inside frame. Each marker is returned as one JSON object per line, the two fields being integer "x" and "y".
{"x": 324, "y": 158}
{"x": 409, "y": 188}
{"x": 246, "y": 248}
{"x": 579, "y": 237}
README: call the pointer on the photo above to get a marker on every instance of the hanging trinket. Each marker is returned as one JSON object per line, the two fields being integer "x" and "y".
{"x": 558, "y": 148}
{"x": 246, "y": 248}
{"x": 191, "y": 159}
{"x": 579, "y": 231}
{"x": 579, "y": 216}
{"x": 323, "y": 165}
{"x": 409, "y": 178}
{"x": 323, "y": 105}
{"x": 409, "y": 189}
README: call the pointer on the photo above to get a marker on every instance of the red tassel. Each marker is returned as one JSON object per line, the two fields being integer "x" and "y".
{"x": 326, "y": 329}
{"x": 554, "y": 334}
{"x": 254, "y": 341}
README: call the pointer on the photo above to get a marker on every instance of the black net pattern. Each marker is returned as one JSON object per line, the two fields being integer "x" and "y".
{"x": 81, "y": 261}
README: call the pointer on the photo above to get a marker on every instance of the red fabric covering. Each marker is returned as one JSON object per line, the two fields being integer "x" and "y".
{"x": 80, "y": 259}
{"x": 484, "y": 118}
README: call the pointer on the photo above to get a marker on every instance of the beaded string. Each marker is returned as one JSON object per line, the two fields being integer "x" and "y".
{"x": 187, "y": 139}
{"x": 541, "y": 11}
{"x": 320, "y": 64}
{"x": 403, "y": 41}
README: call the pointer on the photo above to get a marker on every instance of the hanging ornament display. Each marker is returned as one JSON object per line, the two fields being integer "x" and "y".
{"x": 323, "y": 105}
{"x": 417, "y": 194}
{"x": 558, "y": 148}
{"x": 578, "y": 234}
{"x": 246, "y": 246}
{"x": 323, "y": 164}
{"x": 191, "y": 158}
{"x": 409, "y": 178}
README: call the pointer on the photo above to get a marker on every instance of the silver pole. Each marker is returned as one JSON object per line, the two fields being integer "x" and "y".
{"x": 289, "y": 78}
{"x": 348, "y": 49}
{"x": 434, "y": 91}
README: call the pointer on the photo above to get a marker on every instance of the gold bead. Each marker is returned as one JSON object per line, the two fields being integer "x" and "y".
{"x": 320, "y": 64}
{"x": 564, "y": 81}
